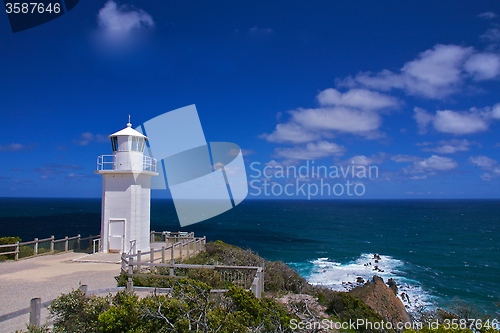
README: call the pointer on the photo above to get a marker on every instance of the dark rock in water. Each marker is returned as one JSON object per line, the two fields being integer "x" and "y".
{"x": 381, "y": 298}
{"x": 359, "y": 279}
{"x": 392, "y": 284}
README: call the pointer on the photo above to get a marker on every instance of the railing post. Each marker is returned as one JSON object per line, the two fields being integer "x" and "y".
{"x": 262, "y": 274}
{"x": 16, "y": 255}
{"x": 130, "y": 281}
{"x": 78, "y": 241}
{"x": 35, "y": 247}
{"x": 152, "y": 236}
{"x": 36, "y": 307}
{"x": 52, "y": 238}
{"x": 163, "y": 254}
{"x": 151, "y": 255}
{"x": 139, "y": 259}
{"x": 66, "y": 244}
{"x": 124, "y": 267}
{"x": 84, "y": 289}
{"x": 182, "y": 243}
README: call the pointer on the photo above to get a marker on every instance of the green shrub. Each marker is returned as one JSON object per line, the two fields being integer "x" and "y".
{"x": 76, "y": 312}
{"x": 348, "y": 308}
{"x": 189, "y": 307}
{"x": 5, "y": 241}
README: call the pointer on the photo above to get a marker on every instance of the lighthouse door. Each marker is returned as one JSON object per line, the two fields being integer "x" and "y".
{"x": 116, "y": 235}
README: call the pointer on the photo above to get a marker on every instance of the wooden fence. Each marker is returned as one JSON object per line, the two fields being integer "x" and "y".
{"x": 131, "y": 265}
{"x": 182, "y": 245}
{"x": 49, "y": 246}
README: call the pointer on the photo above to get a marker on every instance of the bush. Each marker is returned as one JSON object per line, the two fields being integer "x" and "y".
{"x": 277, "y": 275}
{"x": 5, "y": 241}
{"x": 348, "y": 308}
{"x": 76, "y": 312}
{"x": 189, "y": 307}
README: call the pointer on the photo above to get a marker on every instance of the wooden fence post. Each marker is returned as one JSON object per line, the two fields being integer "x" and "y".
{"x": 52, "y": 243}
{"x": 172, "y": 260}
{"x": 130, "y": 281}
{"x": 124, "y": 268}
{"x": 152, "y": 236}
{"x": 151, "y": 255}
{"x": 36, "y": 307}
{"x": 66, "y": 244}
{"x": 16, "y": 255}
{"x": 35, "y": 247}
{"x": 139, "y": 259}
{"x": 78, "y": 242}
{"x": 163, "y": 254}
{"x": 182, "y": 243}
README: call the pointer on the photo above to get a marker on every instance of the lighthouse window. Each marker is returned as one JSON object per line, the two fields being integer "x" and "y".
{"x": 114, "y": 143}
{"x": 142, "y": 143}
{"x": 137, "y": 144}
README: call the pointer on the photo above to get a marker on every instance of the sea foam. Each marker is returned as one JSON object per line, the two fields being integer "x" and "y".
{"x": 345, "y": 276}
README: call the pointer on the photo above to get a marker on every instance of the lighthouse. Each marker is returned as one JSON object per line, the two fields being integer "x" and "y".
{"x": 126, "y": 193}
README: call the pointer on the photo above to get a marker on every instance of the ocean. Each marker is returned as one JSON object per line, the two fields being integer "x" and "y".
{"x": 438, "y": 251}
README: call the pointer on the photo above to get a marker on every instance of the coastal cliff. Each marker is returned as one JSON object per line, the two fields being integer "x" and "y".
{"x": 382, "y": 299}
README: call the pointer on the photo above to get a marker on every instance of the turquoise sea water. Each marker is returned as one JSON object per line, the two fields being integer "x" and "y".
{"x": 436, "y": 250}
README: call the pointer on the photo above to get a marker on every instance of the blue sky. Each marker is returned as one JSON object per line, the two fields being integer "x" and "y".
{"x": 411, "y": 87}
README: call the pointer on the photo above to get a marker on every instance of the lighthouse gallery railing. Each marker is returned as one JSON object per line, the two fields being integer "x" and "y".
{"x": 108, "y": 163}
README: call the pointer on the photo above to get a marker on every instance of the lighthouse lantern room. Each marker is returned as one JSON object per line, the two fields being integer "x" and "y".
{"x": 126, "y": 193}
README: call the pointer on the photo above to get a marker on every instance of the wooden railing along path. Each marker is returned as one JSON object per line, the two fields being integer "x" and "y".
{"x": 51, "y": 245}
{"x": 178, "y": 245}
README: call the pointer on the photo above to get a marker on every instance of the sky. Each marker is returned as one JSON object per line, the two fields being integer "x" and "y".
{"x": 407, "y": 88}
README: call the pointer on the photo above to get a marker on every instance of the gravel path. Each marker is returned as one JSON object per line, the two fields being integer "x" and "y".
{"x": 47, "y": 277}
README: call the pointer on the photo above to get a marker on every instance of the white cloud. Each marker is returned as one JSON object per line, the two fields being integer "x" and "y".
{"x": 495, "y": 112}
{"x": 311, "y": 151}
{"x": 435, "y": 73}
{"x": 340, "y": 119}
{"x": 451, "y": 147}
{"x": 419, "y": 177}
{"x": 351, "y": 112}
{"x": 292, "y": 133}
{"x": 361, "y": 160}
{"x": 492, "y": 37}
{"x": 85, "y": 138}
{"x": 447, "y": 121}
{"x": 434, "y": 162}
{"x": 487, "y": 164}
{"x": 456, "y": 122}
{"x": 119, "y": 21}
{"x": 357, "y": 98}
{"x": 405, "y": 158}
{"x": 13, "y": 147}
{"x": 483, "y": 66}
{"x": 423, "y": 119}
{"x": 487, "y": 15}
{"x": 426, "y": 167}
{"x": 260, "y": 31}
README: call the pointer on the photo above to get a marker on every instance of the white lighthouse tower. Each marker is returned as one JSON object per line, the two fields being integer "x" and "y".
{"x": 126, "y": 193}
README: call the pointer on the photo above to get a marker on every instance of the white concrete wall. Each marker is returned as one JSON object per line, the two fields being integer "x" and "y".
{"x": 127, "y": 197}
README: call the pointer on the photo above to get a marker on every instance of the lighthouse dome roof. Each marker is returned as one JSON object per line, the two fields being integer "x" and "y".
{"x": 128, "y": 131}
